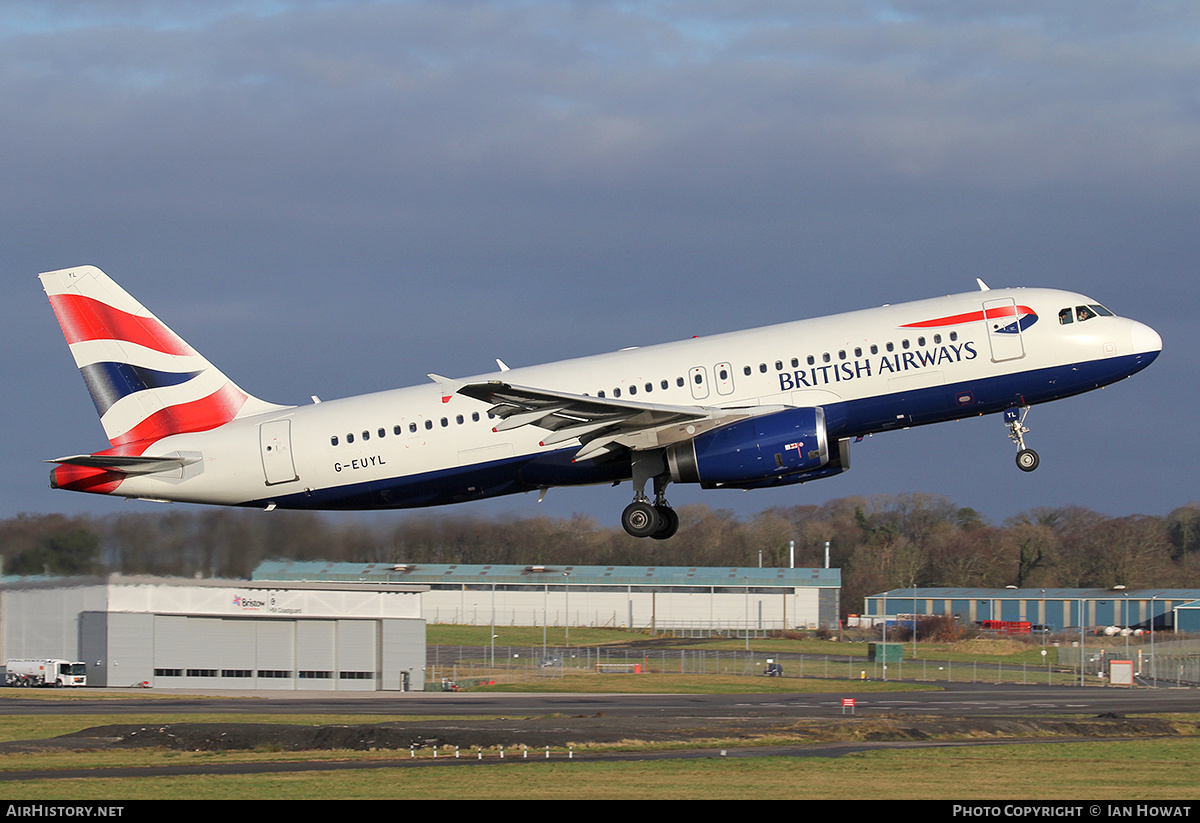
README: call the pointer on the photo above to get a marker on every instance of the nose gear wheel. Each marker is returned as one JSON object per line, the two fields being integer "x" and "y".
{"x": 1027, "y": 459}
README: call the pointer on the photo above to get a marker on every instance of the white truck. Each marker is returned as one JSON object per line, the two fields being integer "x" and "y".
{"x": 48, "y": 672}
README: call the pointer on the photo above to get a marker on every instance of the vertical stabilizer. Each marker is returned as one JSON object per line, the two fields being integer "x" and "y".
{"x": 146, "y": 381}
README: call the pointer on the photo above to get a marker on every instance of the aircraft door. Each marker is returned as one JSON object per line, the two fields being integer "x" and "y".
{"x": 1004, "y": 329}
{"x": 275, "y": 445}
{"x": 698, "y": 380}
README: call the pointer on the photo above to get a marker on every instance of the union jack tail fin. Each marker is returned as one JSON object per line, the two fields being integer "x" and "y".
{"x": 146, "y": 382}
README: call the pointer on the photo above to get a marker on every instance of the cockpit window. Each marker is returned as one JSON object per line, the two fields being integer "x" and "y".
{"x": 1082, "y": 313}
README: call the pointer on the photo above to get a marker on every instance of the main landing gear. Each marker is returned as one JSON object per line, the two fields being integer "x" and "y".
{"x": 1014, "y": 418}
{"x": 642, "y": 518}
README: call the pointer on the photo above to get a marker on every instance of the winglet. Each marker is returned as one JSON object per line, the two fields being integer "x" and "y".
{"x": 449, "y": 387}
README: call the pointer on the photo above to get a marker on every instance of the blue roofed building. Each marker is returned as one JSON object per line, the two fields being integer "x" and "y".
{"x": 1056, "y": 609}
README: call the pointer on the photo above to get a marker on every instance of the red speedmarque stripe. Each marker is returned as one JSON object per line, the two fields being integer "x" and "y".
{"x": 199, "y": 415}
{"x": 970, "y": 317}
{"x": 83, "y": 318}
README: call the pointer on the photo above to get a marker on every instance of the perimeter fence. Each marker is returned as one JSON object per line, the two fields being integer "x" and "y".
{"x": 468, "y": 665}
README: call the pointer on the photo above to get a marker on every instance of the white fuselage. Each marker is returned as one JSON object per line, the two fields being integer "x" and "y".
{"x": 871, "y": 370}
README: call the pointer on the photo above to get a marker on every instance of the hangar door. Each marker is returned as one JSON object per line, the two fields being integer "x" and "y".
{"x": 248, "y": 653}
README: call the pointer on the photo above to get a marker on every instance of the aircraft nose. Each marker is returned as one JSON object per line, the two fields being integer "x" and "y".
{"x": 1144, "y": 338}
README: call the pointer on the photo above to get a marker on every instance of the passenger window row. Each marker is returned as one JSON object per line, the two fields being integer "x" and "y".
{"x": 648, "y": 387}
{"x": 381, "y": 432}
{"x": 827, "y": 357}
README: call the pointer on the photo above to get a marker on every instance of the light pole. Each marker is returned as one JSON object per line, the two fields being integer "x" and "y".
{"x": 746, "y": 611}
{"x": 914, "y": 619}
{"x": 1125, "y": 627}
{"x": 883, "y": 640}
{"x": 1045, "y": 629}
{"x": 567, "y": 619}
{"x": 1082, "y": 640}
{"x": 1152, "y": 663}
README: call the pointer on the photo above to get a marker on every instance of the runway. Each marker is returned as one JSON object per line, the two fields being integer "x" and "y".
{"x": 956, "y": 699}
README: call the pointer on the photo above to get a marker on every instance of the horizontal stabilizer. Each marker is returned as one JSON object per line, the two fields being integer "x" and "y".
{"x": 128, "y": 464}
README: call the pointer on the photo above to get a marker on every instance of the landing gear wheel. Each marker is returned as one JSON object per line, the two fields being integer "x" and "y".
{"x": 640, "y": 519}
{"x": 1027, "y": 460}
{"x": 668, "y": 523}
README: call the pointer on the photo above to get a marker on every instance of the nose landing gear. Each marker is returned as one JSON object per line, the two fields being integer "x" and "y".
{"x": 1014, "y": 418}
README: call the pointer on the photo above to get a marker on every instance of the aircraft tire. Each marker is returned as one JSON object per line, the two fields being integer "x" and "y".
{"x": 669, "y": 523}
{"x": 1027, "y": 460}
{"x": 640, "y": 519}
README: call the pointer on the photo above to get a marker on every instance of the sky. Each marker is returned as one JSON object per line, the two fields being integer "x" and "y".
{"x": 328, "y": 198}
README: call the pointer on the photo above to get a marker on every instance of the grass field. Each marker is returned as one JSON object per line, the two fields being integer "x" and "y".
{"x": 1127, "y": 771}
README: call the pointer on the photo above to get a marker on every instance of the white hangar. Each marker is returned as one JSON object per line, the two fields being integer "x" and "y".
{"x": 661, "y": 598}
{"x": 220, "y": 634}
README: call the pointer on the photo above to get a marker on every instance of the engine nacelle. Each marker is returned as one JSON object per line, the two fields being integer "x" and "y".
{"x": 789, "y": 446}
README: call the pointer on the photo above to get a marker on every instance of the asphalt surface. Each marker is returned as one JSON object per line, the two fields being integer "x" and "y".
{"x": 951, "y": 699}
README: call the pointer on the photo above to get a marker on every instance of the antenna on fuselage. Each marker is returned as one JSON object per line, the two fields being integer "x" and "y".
{"x": 982, "y": 286}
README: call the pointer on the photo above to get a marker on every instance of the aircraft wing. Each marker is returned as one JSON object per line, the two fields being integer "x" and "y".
{"x": 602, "y": 425}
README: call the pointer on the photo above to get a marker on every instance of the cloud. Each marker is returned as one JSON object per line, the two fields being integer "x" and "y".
{"x": 360, "y": 192}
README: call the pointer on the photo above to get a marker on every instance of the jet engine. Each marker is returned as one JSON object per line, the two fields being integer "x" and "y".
{"x": 785, "y": 447}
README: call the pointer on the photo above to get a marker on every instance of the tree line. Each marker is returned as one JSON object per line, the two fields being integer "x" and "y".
{"x": 879, "y": 542}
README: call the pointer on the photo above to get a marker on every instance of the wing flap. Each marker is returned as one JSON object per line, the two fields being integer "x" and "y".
{"x": 602, "y": 425}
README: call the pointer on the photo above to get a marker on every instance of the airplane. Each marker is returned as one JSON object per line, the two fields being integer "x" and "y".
{"x": 766, "y": 407}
